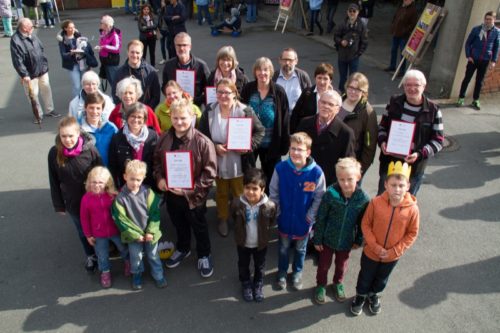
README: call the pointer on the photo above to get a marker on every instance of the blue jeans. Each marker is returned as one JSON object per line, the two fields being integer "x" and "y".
{"x": 252, "y": 13}
{"x": 76, "y": 79}
{"x": 415, "y": 182}
{"x": 47, "y": 13}
{"x": 87, "y": 248}
{"x": 346, "y": 68}
{"x": 299, "y": 246}
{"x": 203, "y": 11}
{"x": 102, "y": 251}
{"x": 398, "y": 43}
{"x": 137, "y": 251}
{"x": 134, "y": 6}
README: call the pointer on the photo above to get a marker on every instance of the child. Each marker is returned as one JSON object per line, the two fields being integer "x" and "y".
{"x": 390, "y": 227}
{"x": 72, "y": 157}
{"x": 97, "y": 223}
{"x": 230, "y": 24}
{"x": 296, "y": 187}
{"x": 137, "y": 215}
{"x": 338, "y": 226}
{"x": 253, "y": 213}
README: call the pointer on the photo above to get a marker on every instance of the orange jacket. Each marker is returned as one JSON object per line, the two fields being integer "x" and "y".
{"x": 392, "y": 228}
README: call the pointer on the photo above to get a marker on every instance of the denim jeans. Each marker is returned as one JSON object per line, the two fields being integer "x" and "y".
{"x": 102, "y": 250}
{"x": 251, "y": 13}
{"x": 315, "y": 20}
{"x": 47, "y": 13}
{"x": 398, "y": 43}
{"x": 373, "y": 276}
{"x": 41, "y": 85}
{"x": 331, "y": 10}
{"x": 203, "y": 11}
{"x": 137, "y": 250}
{"x": 219, "y": 10}
{"x": 87, "y": 248}
{"x": 346, "y": 68}
{"x": 299, "y": 246}
{"x": 415, "y": 182}
{"x": 127, "y": 6}
{"x": 76, "y": 78}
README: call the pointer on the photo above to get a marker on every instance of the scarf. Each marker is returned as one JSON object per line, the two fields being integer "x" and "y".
{"x": 136, "y": 141}
{"x": 76, "y": 150}
{"x": 483, "y": 35}
{"x": 218, "y": 76}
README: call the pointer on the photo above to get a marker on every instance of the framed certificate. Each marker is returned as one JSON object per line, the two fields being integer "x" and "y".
{"x": 179, "y": 169}
{"x": 400, "y": 138}
{"x": 186, "y": 79}
{"x": 239, "y": 133}
{"x": 211, "y": 95}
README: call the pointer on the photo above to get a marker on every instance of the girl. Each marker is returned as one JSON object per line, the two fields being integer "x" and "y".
{"x": 147, "y": 32}
{"x": 69, "y": 162}
{"x": 97, "y": 223}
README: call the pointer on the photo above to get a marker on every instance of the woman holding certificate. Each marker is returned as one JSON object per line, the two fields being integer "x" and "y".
{"x": 270, "y": 104}
{"x": 217, "y": 123}
{"x": 185, "y": 167}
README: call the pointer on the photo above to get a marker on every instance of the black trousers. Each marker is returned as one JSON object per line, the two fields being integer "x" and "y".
{"x": 245, "y": 254}
{"x": 185, "y": 219}
{"x": 151, "y": 44}
{"x": 373, "y": 275}
{"x": 267, "y": 164}
{"x": 481, "y": 67}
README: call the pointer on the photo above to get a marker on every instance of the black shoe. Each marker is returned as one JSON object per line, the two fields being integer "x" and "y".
{"x": 357, "y": 305}
{"x": 53, "y": 114}
{"x": 91, "y": 264}
{"x": 310, "y": 33}
{"x": 374, "y": 304}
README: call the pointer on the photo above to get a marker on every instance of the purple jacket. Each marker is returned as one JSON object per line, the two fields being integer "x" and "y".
{"x": 95, "y": 215}
{"x": 110, "y": 42}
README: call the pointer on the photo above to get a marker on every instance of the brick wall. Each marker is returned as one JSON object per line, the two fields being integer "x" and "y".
{"x": 492, "y": 80}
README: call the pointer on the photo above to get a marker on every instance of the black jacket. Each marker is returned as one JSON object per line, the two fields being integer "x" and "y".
{"x": 27, "y": 56}
{"x": 241, "y": 79}
{"x": 306, "y": 106}
{"x": 69, "y": 59}
{"x": 177, "y": 25}
{"x": 146, "y": 32}
{"x": 357, "y": 38}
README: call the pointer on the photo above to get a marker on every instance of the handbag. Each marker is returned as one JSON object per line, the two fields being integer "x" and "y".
{"x": 91, "y": 60}
{"x": 113, "y": 59}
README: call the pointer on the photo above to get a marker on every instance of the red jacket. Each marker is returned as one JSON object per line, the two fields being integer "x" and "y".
{"x": 95, "y": 215}
{"x": 116, "y": 118}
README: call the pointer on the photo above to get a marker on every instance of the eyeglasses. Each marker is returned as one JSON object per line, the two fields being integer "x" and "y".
{"x": 353, "y": 89}
{"x": 287, "y": 60}
{"x": 223, "y": 93}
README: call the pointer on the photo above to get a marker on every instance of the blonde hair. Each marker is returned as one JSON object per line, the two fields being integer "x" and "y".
{"x": 362, "y": 81}
{"x": 100, "y": 172}
{"x": 348, "y": 163}
{"x": 64, "y": 122}
{"x": 135, "y": 42}
{"x": 263, "y": 62}
{"x": 301, "y": 138}
{"x": 182, "y": 105}
{"x": 136, "y": 167}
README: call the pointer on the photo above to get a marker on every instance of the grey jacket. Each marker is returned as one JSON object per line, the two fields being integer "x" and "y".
{"x": 27, "y": 56}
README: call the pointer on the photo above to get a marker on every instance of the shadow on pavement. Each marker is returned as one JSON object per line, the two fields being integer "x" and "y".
{"x": 488, "y": 206}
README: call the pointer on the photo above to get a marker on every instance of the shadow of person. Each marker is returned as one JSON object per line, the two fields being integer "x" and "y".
{"x": 488, "y": 206}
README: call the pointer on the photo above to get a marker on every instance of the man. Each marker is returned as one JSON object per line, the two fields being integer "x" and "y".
{"x": 137, "y": 67}
{"x": 290, "y": 77}
{"x": 481, "y": 50}
{"x": 30, "y": 63}
{"x": 184, "y": 60}
{"x": 351, "y": 40}
{"x": 427, "y": 141}
{"x": 331, "y": 138}
{"x": 331, "y": 10}
{"x": 403, "y": 22}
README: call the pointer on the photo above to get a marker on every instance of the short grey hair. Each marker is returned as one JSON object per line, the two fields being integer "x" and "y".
{"x": 108, "y": 20}
{"x": 90, "y": 76}
{"x": 127, "y": 82}
{"x": 415, "y": 74}
{"x": 22, "y": 21}
{"x": 182, "y": 35}
{"x": 333, "y": 94}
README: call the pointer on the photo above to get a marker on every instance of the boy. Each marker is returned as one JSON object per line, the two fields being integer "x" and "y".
{"x": 390, "y": 227}
{"x": 338, "y": 226}
{"x": 253, "y": 213}
{"x": 296, "y": 188}
{"x": 137, "y": 215}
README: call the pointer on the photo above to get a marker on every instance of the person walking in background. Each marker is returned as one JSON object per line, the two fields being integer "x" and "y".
{"x": 32, "y": 4}
{"x": 331, "y": 10}
{"x": 110, "y": 45}
{"x": 175, "y": 16}
{"x": 203, "y": 13}
{"x": 481, "y": 50}
{"x": 48, "y": 16}
{"x": 315, "y": 8}
{"x": 147, "y": 33}
{"x": 163, "y": 28}
{"x": 251, "y": 11}
{"x": 6, "y": 14}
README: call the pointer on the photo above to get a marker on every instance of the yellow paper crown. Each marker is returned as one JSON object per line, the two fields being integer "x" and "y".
{"x": 399, "y": 168}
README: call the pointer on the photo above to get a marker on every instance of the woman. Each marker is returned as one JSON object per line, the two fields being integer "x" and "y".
{"x": 307, "y": 104}
{"x": 110, "y": 45}
{"x": 129, "y": 91}
{"x": 6, "y": 14}
{"x": 270, "y": 103}
{"x": 226, "y": 66}
{"x": 187, "y": 207}
{"x": 90, "y": 84}
{"x": 230, "y": 164}
{"x": 70, "y": 160}
{"x": 135, "y": 141}
{"x": 358, "y": 114}
{"x": 163, "y": 27}
{"x": 147, "y": 32}
{"x": 92, "y": 122}
{"x": 175, "y": 17}
{"x": 173, "y": 92}
{"x": 76, "y": 53}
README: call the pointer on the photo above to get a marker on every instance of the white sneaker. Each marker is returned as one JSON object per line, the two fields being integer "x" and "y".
{"x": 162, "y": 61}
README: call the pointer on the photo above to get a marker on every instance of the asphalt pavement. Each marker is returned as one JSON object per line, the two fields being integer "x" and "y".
{"x": 448, "y": 281}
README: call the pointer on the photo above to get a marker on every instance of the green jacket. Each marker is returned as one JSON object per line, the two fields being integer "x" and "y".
{"x": 130, "y": 232}
{"x": 338, "y": 224}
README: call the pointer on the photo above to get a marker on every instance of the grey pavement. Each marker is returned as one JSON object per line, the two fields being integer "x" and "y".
{"x": 448, "y": 282}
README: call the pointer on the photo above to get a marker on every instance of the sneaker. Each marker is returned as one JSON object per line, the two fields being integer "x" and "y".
{"x": 162, "y": 61}
{"x": 282, "y": 283}
{"x": 247, "y": 291}
{"x": 91, "y": 264}
{"x": 137, "y": 281}
{"x": 297, "y": 282}
{"x": 460, "y": 102}
{"x": 52, "y": 26}
{"x": 37, "y": 122}
{"x": 160, "y": 284}
{"x": 374, "y": 304}
{"x": 222, "y": 228}
{"x": 106, "y": 279}
{"x": 319, "y": 294}
{"x": 126, "y": 268}
{"x": 476, "y": 105}
{"x": 53, "y": 114}
{"x": 205, "y": 266}
{"x": 338, "y": 291}
{"x": 357, "y": 305}
{"x": 258, "y": 293}
{"x": 176, "y": 258}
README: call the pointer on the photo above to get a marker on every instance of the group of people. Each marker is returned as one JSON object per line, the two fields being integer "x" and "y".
{"x": 313, "y": 144}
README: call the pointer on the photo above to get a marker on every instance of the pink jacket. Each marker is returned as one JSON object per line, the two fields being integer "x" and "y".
{"x": 110, "y": 42}
{"x": 95, "y": 215}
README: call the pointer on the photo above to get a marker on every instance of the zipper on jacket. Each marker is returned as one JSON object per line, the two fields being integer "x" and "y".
{"x": 389, "y": 227}
{"x": 343, "y": 223}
